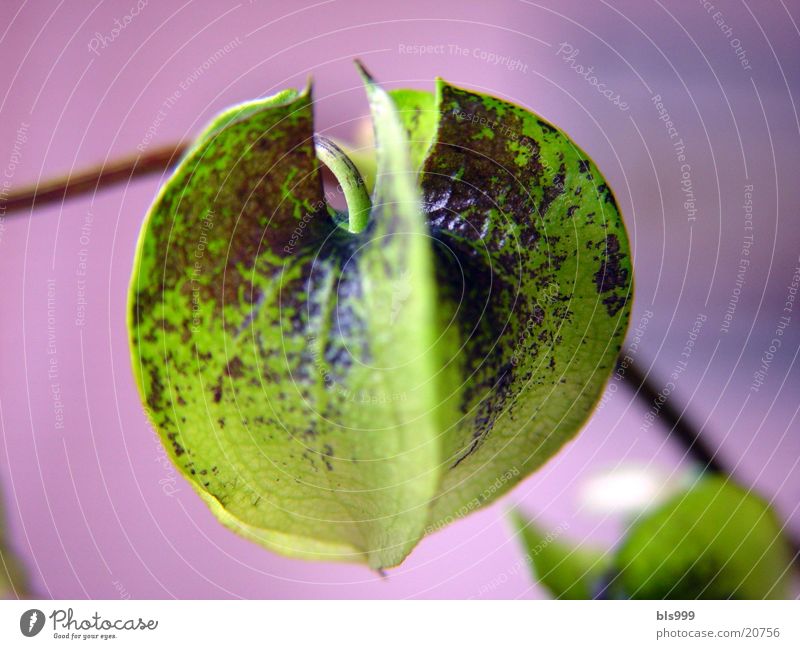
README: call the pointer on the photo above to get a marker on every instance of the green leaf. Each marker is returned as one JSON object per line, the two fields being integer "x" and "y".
{"x": 335, "y": 386}
{"x": 535, "y": 266}
{"x": 290, "y": 365}
{"x": 12, "y": 574}
{"x": 714, "y": 541}
{"x": 567, "y": 572}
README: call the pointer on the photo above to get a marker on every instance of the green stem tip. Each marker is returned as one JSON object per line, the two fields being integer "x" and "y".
{"x": 350, "y": 180}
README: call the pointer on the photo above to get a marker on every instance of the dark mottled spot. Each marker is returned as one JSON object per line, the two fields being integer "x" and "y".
{"x": 611, "y": 274}
{"x": 605, "y": 192}
{"x": 614, "y": 303}
{"x": 176, "y": 447}
{"x": 489, "y": 410}
{"x": 547, "y": 128}
{"x": 552, "y": 191}
{"x": 327, "y": 452}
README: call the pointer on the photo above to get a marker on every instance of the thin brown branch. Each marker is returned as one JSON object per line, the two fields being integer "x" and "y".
{"x": 677, "y": 422}
{"x": 681, "y": 429}
{"x": 93, "y": 179}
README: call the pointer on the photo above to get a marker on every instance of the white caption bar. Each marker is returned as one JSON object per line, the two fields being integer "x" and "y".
{"x": 404, "y": 624}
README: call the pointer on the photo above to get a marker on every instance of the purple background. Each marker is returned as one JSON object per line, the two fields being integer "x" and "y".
{"x": 94, "y": 509}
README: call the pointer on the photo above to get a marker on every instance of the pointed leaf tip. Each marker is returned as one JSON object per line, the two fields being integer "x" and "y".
{"x": 365, "y": 74}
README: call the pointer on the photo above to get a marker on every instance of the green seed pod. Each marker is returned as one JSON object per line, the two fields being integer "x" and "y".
{"x": 336, "y": 386}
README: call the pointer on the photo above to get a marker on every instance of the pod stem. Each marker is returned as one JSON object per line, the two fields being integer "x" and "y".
{"x": 355, "y": 191}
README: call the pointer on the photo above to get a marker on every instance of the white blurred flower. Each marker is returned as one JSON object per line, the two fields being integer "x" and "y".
{"x": 630, "y": 490}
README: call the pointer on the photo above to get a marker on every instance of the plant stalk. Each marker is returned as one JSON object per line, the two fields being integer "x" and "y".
{"x": 92, "y": 179}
